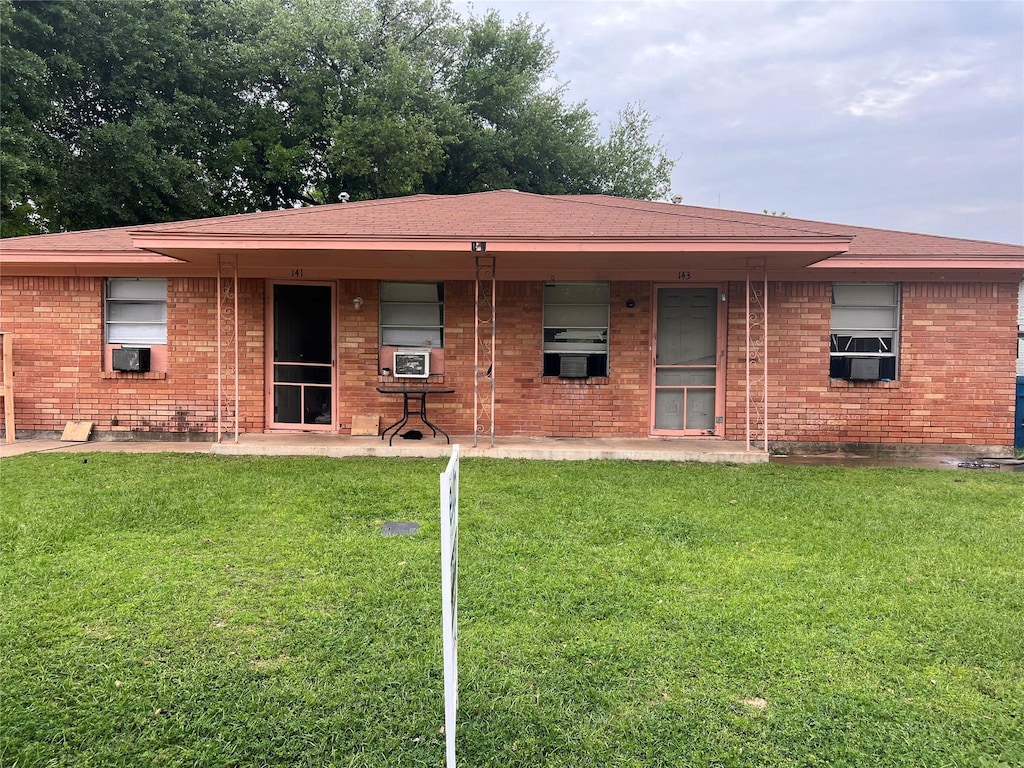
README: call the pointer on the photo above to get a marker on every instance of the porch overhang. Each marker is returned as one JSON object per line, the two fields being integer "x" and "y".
{"x": 521, "y": 259}
{"x": 104, "y": 263}
{"x": 922, "y": 268}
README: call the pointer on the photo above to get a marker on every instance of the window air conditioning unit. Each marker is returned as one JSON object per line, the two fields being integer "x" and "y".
{"x": 862, "y": 368}
{"x": 572, "y": 366}
{"x": 134, "y": 359}
{"x": 411, "y": 363}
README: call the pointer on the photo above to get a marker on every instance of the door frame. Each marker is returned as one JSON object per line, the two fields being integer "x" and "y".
{"x": 268, "y": 373}
{"x": 721, "y": 360}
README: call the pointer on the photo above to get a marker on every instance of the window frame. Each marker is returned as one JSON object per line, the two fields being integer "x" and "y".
{"x": 882, "y": 332}
{"x": 158, "y": 299}
{"x": 598, "y": 358}
{"x": 384, "y": 304}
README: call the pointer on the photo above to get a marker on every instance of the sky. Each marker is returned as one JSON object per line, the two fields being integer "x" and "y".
{"x": 898, "y": 115}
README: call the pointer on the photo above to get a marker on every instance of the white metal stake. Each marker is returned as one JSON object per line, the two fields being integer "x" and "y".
{"x": 450, "y": 598}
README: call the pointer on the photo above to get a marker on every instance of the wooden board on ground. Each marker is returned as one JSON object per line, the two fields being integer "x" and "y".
{"x": 366, "y": 425}
{"x": 76, "y": 431}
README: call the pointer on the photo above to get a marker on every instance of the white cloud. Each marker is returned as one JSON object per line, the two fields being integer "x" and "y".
{"x": 862, "y": 113}
{"x": 897, "y": 97}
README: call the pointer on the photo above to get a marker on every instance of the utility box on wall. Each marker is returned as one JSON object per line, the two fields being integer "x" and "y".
{"x": 131, "y": 359}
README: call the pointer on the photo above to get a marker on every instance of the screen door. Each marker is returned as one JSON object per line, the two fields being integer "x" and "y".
{"x": 685, "y": 376}
{"x": 302, "y": 366}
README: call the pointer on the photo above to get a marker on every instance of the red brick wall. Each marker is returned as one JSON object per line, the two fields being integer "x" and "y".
{"x": 958, "y": 346}
{"x": 526, "y": 403}
{"x": 955, "y": 381}
{"x": 531, "y": 404}
{"x": 57, "y": 325}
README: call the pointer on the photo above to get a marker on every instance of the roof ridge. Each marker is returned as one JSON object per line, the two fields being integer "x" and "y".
{"x": 669, "y": 209}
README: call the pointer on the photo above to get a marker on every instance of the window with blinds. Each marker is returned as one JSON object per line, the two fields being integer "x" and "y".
{"x": 865, "y": 324}
{"x": 576, "y": 329}
{"x": 412, "y": 315}
{"x": 135, "y": 311}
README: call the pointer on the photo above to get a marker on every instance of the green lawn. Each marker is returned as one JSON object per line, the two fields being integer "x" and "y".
{"x": 185, "y": 610}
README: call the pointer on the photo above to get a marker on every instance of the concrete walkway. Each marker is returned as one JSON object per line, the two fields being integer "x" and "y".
{"x": 541, "y": 448}
{"x": 337, "y": 446}
{"x": 41, "y": 445}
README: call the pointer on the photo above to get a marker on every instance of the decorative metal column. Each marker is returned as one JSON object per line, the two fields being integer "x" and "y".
{"x": 483, "y": 358}
{"x": 757, "y": 353}
{"x": 227, "y": 345}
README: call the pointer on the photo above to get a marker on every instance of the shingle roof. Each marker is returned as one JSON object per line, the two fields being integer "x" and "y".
{"x": 512, "y": 215}
{"x": 503, "y": 214}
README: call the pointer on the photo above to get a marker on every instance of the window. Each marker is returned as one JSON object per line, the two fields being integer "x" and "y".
{"x": 135, "y": 311}
{"x": 412, "y": 315}
{"x": 865, "y": 326}
{"x": 576, "y": 329}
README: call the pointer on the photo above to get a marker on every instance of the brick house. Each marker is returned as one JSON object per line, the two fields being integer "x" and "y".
{"x": 559, "y": 316}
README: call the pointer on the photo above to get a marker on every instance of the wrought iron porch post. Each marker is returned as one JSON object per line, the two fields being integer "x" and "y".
{"x": 483, "y": 355}
{"x": 757, "y": 354}
{"x": 227, "y": 334}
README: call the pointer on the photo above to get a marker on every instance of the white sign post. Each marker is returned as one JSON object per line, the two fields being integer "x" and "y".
{"x": 450, "y": 598}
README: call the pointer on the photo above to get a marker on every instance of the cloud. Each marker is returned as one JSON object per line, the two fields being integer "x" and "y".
{"x": 860, "y": 113}
{"x": 898, "y": 97}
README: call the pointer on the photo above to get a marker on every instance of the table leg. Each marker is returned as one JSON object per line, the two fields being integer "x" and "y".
{"x": 433, "y": 427}
{"x": 397, "y": 426}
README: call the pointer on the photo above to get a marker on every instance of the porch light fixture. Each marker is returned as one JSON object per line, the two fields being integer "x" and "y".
{"x": 357, "y": 303}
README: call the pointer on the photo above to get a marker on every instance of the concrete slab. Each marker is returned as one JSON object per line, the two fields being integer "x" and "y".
{"x": 540, "y": 448}
{"x": 340, "y": 446}
{"x": 39, "y": 445}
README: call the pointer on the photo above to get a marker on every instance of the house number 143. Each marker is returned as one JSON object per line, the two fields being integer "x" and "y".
{"x": 683, "y": 276}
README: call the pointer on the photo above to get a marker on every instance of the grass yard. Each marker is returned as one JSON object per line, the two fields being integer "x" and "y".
{"x": 191, "y": 610}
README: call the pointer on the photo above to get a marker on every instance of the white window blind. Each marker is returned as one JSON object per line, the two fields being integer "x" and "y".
{"x": 865, "y": 318}
{"x": 135, "y": 311}
{"x": 576, "y": 324}
{"x": 412, "y": 315}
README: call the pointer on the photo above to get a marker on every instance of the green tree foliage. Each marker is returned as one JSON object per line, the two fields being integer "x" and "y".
{"x": 630, "y": 165}
{"x": 124, "y": 116}
{"x": 152, "y": 110}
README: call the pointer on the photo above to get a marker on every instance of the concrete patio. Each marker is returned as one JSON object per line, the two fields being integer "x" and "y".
{"x": 338, "y": 446}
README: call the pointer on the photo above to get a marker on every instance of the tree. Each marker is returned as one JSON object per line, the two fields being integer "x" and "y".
{"x": 510, "y": 132}
{"x": 142, "y": 111}
{"x": 128, "y": 114}
{"x": 630, "y": 165}
{"x": 22, "y": 148}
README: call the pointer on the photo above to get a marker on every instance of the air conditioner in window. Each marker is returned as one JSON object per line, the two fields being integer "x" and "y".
{"x": 133, "y": 359}
{"x": 412, "y": 363}
{"x": 862, "y": 368}
{"x": 572, "y": 366}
